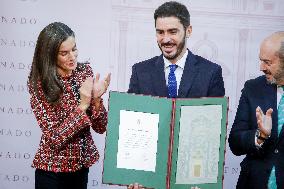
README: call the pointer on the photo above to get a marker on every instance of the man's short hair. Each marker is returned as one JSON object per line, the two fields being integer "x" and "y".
{"x": 175, "y": 9}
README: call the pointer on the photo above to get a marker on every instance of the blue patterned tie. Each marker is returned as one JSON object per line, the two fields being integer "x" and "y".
{"x": 172, "y": 82}
{"x": 272, "y": 178}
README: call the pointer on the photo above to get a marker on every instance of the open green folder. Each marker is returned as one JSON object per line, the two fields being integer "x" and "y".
{"x": 165, "y": 143}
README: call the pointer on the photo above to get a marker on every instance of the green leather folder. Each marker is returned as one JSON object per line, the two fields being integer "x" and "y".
{"x": 190, "y": 145}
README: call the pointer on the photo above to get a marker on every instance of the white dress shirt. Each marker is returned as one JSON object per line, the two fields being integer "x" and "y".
{"x": 179, "y": 70}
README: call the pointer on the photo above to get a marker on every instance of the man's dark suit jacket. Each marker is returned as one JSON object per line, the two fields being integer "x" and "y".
{"x": 256, "y": 166}
{"x": 200, "y": 78}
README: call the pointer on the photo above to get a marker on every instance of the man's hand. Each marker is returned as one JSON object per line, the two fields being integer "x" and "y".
{"x": 138, "y": 186}
{"x": 135, "y": 186}
{"x": 100, "y": 86}
{"x": 86, "y": 93}
{"x": 264, "y": 122}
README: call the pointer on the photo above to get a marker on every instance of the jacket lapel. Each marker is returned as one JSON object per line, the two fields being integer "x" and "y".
{"x": 281, "y": 134}
{"x": 272, "y": 97}
{"x": 158, "y": 78}
{"x": 271, "y": 102}
{"x": 189, "y": 73}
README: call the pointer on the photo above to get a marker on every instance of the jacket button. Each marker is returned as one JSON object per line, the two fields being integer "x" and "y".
{"x": 276, "y": 151}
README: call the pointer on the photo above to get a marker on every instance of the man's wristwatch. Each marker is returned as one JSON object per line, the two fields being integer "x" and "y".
{"x": 258, "y": 136}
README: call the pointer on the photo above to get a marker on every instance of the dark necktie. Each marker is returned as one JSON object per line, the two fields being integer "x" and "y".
{"x": 172, "y": 82}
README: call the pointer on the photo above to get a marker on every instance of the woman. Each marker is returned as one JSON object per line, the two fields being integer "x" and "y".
{"x": 66, "y": 101}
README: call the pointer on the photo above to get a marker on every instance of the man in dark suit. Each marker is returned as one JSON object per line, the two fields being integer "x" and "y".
{"x": 194, "y": 76}
{"x": 257, "y": 135}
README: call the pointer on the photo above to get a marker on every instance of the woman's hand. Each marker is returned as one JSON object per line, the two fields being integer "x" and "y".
{"x": 100, "y": 86}
{"x": 86, "y": 93}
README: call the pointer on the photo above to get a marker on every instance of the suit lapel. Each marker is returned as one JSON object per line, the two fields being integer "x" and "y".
{"x": 271, "y": 102}
{"x": 158, "y": 78}
{"x": 189, "y": 73}
{"x": 271, "y": 91}
{"x": 281, "y": 134}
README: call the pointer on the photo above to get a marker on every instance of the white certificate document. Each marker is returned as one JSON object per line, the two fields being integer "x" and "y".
{"x": 137, "y": 143}
{"x": 199, "y": 141}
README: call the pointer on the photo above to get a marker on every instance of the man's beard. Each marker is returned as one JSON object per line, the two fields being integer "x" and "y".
{"x": 278, "y": 76}
{"x": 179, "y": 49}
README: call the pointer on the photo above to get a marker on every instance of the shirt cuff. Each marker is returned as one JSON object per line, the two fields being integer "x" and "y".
{"x": 256, "y": 144}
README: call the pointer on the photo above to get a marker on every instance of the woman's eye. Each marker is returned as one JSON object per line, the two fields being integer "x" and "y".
{"x": 63, "y": 54}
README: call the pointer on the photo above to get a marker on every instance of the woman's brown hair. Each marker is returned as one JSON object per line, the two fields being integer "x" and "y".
{"x": 43, "y": 68}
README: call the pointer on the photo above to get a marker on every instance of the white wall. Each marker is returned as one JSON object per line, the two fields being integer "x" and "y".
{"x": 113, "y": 35}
